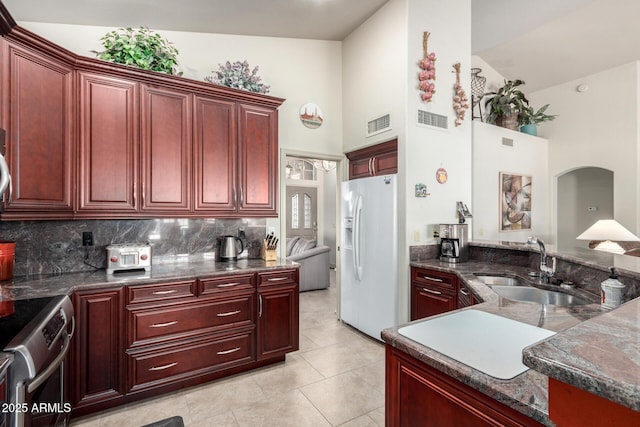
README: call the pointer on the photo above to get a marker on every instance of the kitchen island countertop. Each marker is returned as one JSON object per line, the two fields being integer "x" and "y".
{"x": 592, "y": 349}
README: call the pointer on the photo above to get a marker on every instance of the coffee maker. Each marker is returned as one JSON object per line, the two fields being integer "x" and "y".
{"x": 453, "y": 242}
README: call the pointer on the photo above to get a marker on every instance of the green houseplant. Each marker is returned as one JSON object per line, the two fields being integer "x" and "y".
{"x": 529, "y": 119}
{"x": 140, "y": 48}
{"x": 505, "y": 104}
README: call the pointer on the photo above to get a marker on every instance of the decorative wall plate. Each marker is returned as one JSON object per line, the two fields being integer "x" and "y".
{"x": 441, "y": 175}
{"x": 311, "y": 115}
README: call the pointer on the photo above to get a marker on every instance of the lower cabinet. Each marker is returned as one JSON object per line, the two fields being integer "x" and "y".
{"x": 139, "y": 341}
{"x": 435, "y": 292}
{"x": 419, "y": 395}
{"x": 97, "y": 355}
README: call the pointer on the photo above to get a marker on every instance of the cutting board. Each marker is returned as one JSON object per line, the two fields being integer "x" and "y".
{"x": 489, "y": 343}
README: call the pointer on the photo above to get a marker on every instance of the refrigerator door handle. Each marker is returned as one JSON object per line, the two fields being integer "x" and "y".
{"x": 357, "y": 218}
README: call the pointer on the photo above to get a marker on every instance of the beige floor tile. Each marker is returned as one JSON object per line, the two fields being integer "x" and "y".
{"x": 281, "y": 410}
{"x": 328, "y": 334}
{"x": 221, "y": 420}
{"x": 343, "y": 397}
{"x": 147, "y": 412}
{"x": 338, "y": 358}
{"x": 377, "y": 415}
{"x": 362, "y": 421}
{"x": 288, "y": 376}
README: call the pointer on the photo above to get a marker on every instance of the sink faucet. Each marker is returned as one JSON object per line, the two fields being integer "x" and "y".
{"x": 546, "y": 272}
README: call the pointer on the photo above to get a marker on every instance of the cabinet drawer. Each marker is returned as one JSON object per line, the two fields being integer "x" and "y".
{"x": 161, "y": 292}
{"x": 194, "y": 358}
{"x": 434, "y": 278}
{"x": 279, "y": 277}
{"x": 227, "y": 284}
{"x": 190, "y": 319}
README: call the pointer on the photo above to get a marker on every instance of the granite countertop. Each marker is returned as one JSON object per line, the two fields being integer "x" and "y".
{"x": 567, "y": 356}
{"x": 183, "y": 268}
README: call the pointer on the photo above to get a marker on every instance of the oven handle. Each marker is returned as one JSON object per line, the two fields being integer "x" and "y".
{"x": 37, "y": 381}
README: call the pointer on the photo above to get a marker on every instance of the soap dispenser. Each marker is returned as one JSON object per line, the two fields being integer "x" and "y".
{"x": 612, "y": 290}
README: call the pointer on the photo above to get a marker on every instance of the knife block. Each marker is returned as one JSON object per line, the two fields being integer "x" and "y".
{"x": 268, "y": 254}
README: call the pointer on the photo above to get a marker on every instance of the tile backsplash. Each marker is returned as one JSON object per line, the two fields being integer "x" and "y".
{"x": 52, "y": 247}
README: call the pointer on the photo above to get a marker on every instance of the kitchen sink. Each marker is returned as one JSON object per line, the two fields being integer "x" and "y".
{"x": 516, "y": 289}
{"x": 541, "y": 296}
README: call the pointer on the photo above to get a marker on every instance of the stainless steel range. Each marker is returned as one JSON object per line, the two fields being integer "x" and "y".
{"x": 38, "y": 334}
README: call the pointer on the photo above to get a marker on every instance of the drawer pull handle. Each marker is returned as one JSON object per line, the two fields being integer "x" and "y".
{"x": 276, "y": 279}
{"x": 227, "y": 285}
{"x": 165, "y": 292}
{"x": 161, "y": 368}
{"x": 229, "y": 313}
{"x": 464, "y": 292}
{"x": 432, "y": 292}
{"x": 433, "y": 279}
{"x": 233, "y": 350}
{"x": 164, "y": 325}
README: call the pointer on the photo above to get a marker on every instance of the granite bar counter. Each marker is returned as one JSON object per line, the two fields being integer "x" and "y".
{"x": 594, "y": 349}
{"x": 168, "y": 268}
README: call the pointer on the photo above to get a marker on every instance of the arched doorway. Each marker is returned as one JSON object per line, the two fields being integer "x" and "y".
{"x": 585, "y": 195}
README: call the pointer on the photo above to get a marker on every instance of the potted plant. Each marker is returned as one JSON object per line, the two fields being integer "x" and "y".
{"x": 529, "y": 119}
{"x": 140, "y": 48}
{"x": 505, "y": 104}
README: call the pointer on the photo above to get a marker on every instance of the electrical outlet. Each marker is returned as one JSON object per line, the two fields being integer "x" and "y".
{"x": 241, "y": 233}
{"x": 87, "y": 238}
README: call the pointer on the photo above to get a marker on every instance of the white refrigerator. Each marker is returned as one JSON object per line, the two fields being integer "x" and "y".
{"x": 369, "y": 254}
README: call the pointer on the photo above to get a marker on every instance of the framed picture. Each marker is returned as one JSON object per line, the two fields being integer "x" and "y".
{"x": 515, "y": 202}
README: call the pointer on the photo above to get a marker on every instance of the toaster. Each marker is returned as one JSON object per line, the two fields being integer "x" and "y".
{"x": 128, "y": 256}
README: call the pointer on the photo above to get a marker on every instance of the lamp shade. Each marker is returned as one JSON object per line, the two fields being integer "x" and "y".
{"x": 608, "y": 229}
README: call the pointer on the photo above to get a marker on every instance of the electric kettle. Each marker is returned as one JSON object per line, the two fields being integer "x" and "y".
{"x": 227, "y": 248}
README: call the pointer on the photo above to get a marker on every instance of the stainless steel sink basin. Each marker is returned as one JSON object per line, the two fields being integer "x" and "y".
{"x": 489, "y": 279}
{"x": 541, "y": 296}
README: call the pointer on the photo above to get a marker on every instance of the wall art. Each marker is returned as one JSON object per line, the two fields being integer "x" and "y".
{"x": 428, "y": 73}
{"x": 515, "y": 201}
{"x": 311, "y": 115}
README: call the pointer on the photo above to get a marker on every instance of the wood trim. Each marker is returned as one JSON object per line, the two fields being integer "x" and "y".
{"x": 6, "y": 20}
{"x": 373, "y": 150}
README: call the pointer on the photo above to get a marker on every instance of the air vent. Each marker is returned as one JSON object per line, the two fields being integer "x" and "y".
{"x": 379, "y": 125}
{"x": 432, "y": 119}
{"x": 507, "y": 141}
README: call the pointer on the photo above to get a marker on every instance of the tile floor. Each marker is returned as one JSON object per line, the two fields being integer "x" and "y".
{"x": 335, "y": 379}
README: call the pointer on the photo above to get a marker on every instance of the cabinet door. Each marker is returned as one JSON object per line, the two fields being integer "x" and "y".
{"x": 385, "y": 163}
{"x": 360, "y": 168}
{"x": 37, "y": 112}
{"x": 258, "y": 161}
{"x": 379, "y": 159}
{"x": 165, "y": 150}
{"x": 278, "y": 318}
{"x": 215, "y": 155}
{"x": 96, "y": 361}
{"x": 428, "y": 301}
{"x": 108, "y": 144}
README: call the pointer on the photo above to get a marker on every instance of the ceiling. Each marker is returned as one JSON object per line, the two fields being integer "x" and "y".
{"x": 543, "y": 42}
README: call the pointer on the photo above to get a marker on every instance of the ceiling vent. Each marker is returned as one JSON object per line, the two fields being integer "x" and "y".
{"x": 379, "y": 125}
{"x": 432, "y": 119}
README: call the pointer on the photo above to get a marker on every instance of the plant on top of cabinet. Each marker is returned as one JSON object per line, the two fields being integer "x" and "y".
{"x": 529, "y": 118}
{"x": 505, "y": 104}
{"x": 140, "y": 48}
{"x": 239, "y": 76}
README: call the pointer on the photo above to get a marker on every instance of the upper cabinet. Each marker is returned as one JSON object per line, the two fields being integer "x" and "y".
{"x": 379, "y": 159}
{"x": 147, "y": 144}
{"x": 38, "y": 107}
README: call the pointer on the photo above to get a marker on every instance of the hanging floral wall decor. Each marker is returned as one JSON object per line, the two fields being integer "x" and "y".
{"x": 428, "y": 73}
{"x": 460, "y": 100}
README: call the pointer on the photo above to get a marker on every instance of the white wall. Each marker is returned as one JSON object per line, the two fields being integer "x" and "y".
{"x": 298, "y": 70}
{"x": 598, "y": 128}
{"x": 528, "y": 156}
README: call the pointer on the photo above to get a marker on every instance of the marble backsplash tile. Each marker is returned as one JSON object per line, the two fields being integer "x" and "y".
{"x": 53, "y": 247}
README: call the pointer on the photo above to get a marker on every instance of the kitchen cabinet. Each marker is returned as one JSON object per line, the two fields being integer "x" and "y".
{"x": 417, "y": 394}
{"x": 380, "y": 159}
{"x": 37, "y": 111}
{"x": 465, "y": 296}
{"x": 109, "y": 141}
{"x": 96, "y": 357}
{"x": 147, "y": 144}
{"x": 278, "y": 313}
{"x": 432, "y": 292}
{"x": 143, "y": 340}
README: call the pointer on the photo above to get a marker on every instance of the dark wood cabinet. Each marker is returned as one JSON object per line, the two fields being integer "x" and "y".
{"x": 96, "y": 359}
{"x": 432, "y": 292}
{"x": 278, "y": 313}
{"x": 417, "y": 394}
{"x": 143, "y": 340}
{"x": 37, "y": 111}
{"x": 148, "y": 144}
{"x": 165, "y": 150}
{"x": 109, "y": 141}
{"x": 380, "y": 159}
{"x": 465, "y": 296}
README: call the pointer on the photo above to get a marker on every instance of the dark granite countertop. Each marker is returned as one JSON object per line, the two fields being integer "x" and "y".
{"x": 183, "y": 268}
{"x": 585, "y": 332}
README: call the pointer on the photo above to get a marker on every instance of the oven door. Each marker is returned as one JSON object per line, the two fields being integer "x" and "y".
{"x": 45, "y": 396}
